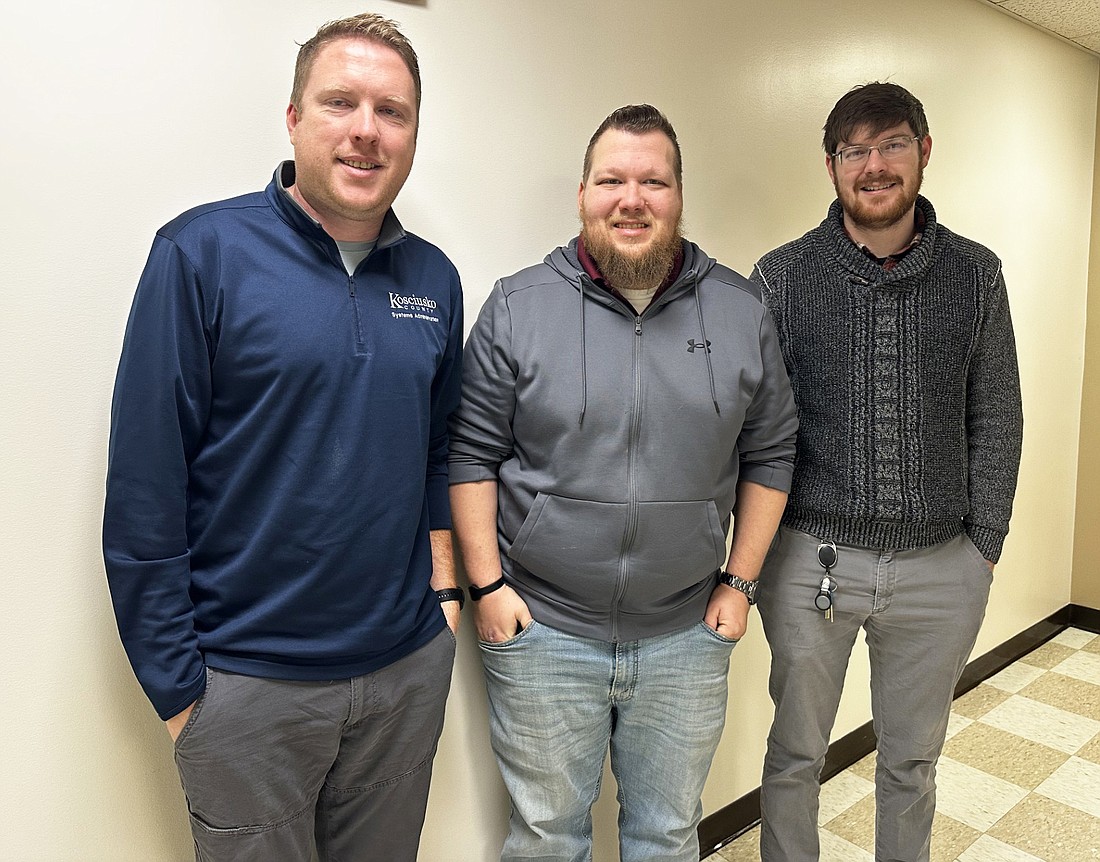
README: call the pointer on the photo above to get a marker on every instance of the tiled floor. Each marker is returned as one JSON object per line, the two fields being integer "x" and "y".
{"x": 1019, "y": 780}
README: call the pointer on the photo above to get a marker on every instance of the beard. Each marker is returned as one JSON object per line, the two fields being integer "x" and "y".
{"x": 635, "y": 268}
{"x": 873, "y": 217}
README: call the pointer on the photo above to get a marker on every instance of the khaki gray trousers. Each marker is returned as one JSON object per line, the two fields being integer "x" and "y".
{"x": 920, "y": 611}
{"x": 271, "y": 768}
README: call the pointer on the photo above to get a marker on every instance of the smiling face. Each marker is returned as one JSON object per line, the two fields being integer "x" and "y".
{"x": 630, "y": 207}
{"x": 354, "y": 136}
{"x": 879, "y": 194}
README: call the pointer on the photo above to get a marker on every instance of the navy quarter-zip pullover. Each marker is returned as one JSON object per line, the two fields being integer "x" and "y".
{"x": 279, "y": 449}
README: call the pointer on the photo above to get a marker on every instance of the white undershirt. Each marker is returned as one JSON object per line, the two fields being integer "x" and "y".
{"x": 640, "y": 299}
{"x": 353, "y": 253}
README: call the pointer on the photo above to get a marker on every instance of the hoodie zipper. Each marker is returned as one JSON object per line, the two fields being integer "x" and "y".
{"x": 631, "y": 531}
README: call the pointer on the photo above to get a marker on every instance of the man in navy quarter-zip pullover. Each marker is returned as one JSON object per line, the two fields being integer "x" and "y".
{"x": 277, "y": 526}
{"x": 620, "y": 400}
{"x": 898, "y": 340}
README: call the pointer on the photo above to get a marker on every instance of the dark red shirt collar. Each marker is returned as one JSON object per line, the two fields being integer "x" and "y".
{"x": 892, "y": 260}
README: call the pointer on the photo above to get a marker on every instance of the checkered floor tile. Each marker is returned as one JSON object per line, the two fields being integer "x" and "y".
{"x": 1019, "y": 779}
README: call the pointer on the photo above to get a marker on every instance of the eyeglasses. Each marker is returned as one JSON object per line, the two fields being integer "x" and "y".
{"x": 891, "y": 149}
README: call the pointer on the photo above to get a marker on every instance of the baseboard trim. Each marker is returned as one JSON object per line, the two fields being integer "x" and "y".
{"x": 742, "y": 814}
{"x": 997, "y": 659}
{"x": 1088, "y": 619}
{"x": 721, "y": 827}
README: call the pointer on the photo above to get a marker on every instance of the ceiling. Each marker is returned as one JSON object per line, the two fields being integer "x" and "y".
{"x": 1076, "y": 21}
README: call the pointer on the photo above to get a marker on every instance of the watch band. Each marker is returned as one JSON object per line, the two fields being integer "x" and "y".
{"x": 476, "y": 593}
{"x": 452, "y": 594}
{"x": 739, "y": 584}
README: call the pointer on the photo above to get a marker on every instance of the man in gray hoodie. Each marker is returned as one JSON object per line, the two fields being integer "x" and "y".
{"x": 621, "y": 400}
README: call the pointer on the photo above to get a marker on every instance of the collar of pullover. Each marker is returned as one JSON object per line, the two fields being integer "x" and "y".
{"x": 565, "y": 260}
{"x": 289, "y": 210}
{"x": 906, "y": 273}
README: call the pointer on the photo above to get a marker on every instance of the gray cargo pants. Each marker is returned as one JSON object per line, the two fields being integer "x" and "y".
{"x": 271, "y": 766}
{"x": 921, "y": 611}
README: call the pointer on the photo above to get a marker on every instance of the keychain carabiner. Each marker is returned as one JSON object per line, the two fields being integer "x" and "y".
{"x": 826, "y": 558}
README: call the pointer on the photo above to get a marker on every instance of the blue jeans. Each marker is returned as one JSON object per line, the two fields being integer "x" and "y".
{"x": 557, "y": 701}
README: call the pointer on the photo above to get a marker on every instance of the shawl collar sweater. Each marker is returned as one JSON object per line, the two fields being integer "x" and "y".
{"x": 908, "y": 392}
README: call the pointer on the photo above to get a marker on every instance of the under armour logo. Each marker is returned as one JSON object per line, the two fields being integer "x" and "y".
{"x": 693, "y": 345}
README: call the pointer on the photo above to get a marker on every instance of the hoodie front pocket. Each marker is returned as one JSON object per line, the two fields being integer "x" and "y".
{"x": 579, "y": 547}
{"x": 678, "y": 545}
{"x": 573, "y": 545}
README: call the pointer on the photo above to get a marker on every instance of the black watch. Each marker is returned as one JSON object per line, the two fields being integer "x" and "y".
{"x": 477, "y": 592}
{"x": 452, "y": 594}
{"x": 739, "y": 584}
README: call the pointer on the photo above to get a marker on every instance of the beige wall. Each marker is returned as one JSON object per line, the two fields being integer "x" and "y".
{"x": 121, "y": 114}
{"x": 1086, "y": 546}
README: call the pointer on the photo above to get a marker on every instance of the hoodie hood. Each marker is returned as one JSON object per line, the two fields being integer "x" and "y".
{"x": 565, "y": 261}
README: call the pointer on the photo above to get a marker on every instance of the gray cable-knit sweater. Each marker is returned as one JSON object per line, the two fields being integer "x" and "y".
{"x": 910, "y": 423}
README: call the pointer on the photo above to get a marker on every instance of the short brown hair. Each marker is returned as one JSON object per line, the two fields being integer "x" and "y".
{"x": 367, "y": 26}
{"x": 636, "y": 119}
{"x": 876, "y": 107}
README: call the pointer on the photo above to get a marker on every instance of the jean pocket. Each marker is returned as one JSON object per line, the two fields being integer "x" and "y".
{"x": 714, "y": 636}
{"x": 512, "y": 641}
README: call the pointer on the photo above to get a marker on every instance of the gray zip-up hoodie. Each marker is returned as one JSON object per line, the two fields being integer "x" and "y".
{"x": 618, "y": 439}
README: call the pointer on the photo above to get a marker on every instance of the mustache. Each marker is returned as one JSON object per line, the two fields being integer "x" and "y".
{"x": 881, "y": 178}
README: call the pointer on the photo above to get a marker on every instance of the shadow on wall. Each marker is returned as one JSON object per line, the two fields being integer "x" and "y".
{"x": 129, "y": 715}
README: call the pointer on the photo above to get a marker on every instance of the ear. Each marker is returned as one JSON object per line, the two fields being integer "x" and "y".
{"x": 925, "y": 150}
{"x": 291, "y": 120}
{"x": 829, "y": 167}
{"x": 580, "y": 197}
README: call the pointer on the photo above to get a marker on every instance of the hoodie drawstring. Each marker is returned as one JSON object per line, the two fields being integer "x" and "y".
{"x": 584, "y": 362}
{"x": 706, "y": 353}
{"x": 706, "y": 344}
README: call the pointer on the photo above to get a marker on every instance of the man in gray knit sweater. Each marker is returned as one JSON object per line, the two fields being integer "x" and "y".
{"x": 898, "y": 342}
